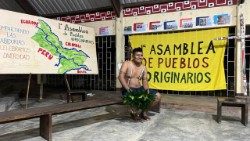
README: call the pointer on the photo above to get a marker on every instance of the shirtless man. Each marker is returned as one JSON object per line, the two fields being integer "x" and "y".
{"x": 133, "y": 77}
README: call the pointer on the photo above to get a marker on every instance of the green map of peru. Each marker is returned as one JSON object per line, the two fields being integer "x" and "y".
{"x": 68, "y": 59}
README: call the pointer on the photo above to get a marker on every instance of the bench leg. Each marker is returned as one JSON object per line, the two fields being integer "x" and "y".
{"x": 219, "y": 107}
{"x": 156, "y": 107}
{"x": 46, "y": 127}
{"x": 244, "y": 114}
{"x": 68, "y": 97}
{"x": 159, "y": 106}
{"x": 84, "y": 97}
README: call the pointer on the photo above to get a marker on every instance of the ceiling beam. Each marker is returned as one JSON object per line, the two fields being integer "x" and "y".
{"x": 148, "y": 3}
{"x": 27, "y": 7}
{"x": 72, "y": 13}
{"x": 116, "y": 6}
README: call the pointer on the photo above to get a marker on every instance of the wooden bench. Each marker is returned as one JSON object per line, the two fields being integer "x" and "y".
{"x": 45, "y": 113}
{"x": 233, "y": 102}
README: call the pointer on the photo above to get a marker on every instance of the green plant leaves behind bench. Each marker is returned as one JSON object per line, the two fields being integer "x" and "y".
{"x": 138, "y": 99}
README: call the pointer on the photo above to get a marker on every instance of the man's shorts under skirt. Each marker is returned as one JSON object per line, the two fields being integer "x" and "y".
{"x": 151, "y": 91}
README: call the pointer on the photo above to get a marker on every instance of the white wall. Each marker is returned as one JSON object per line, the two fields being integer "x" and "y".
{"x": 231, "y": 10}
{"x": 246, "y": 11}
{"x": 110, "y": 24}
{"x": 129, "y": 21}
{"x": 122, "y": 22}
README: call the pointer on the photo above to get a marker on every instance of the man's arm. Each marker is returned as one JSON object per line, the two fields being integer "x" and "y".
{"x": 122, "y": 76}
{"x": 145, "y": 79}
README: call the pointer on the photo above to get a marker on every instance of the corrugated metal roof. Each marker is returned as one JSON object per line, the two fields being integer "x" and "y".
{"x": 56, "y": 8}
{"x": 128, "y": 2}
{"x": 11, "y": 5}
{"x": 132, "y": 1}
{"x": 44, "y": 7}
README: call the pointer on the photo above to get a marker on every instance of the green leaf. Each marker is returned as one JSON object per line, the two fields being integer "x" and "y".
{"x": 139, "y": 99}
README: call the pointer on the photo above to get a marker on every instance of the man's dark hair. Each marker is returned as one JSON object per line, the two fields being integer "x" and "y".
{"x": 138, "y": 49}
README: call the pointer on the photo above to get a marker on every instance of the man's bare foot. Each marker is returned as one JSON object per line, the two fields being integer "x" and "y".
{"x": 135, "y": 117}
{"x": 144, "y": 116}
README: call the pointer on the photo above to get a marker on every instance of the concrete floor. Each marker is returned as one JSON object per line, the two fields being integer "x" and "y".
{"x": 182, "y": 118}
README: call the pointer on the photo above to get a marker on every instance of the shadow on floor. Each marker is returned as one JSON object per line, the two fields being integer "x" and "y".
{"x": 227, "y": 118}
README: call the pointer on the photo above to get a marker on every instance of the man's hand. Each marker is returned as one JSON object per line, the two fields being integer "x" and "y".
{"x": 129, "y": 90}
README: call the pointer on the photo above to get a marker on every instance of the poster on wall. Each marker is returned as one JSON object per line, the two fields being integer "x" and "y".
{"x": 127, "y": 30}
{"x": 203, "y": 21}
{"x": 170, "y": 25}
{"x": 104, "y": 31}
{"x": 184, "y": 61}
{"x": 222, "y": 19}
{"x": 37, "y": 45}
{"x": 155, "y": 26}
{"x": 139, "y": 27}
{"x": 186, "y": 23}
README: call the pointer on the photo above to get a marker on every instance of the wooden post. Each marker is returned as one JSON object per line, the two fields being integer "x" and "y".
{"x": 41, "y": 91}
{"x": 68, "y": 88}
{"x": 40, "y": 81}
{"x": 219, "y": 106}
{"x": 46, "y": 127}
{"x": 28, "y": 90}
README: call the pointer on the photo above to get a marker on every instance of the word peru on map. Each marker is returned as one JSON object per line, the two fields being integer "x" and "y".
{"x": 30, "y": 44}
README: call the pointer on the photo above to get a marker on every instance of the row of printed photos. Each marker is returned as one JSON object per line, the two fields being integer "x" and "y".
{"x": 184, "y": 23}
{"x": 105, "y": 31}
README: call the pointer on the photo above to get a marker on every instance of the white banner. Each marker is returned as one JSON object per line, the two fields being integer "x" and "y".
{"x": 31, "y": 44}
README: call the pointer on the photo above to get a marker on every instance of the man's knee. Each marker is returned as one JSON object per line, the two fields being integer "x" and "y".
{"x": 158, "y": 96}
